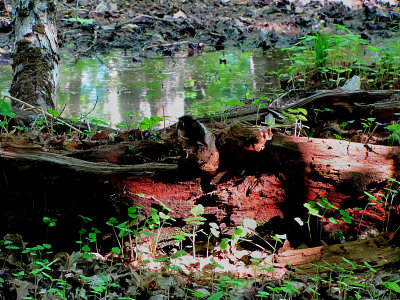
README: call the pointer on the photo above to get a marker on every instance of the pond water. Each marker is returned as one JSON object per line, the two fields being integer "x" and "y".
{"x": 110, "y": 87}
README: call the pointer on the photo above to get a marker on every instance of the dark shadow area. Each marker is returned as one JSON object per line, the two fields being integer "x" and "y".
{"x": 28, "y": 194}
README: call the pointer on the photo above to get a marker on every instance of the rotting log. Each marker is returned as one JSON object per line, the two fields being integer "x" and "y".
{"x": 367, "y": 103}
{"x": 197, "y": 143}
{"x": 325, "y": 259}
{"x": 278, "y": 181}
{"x": 273, "y": 182}
{"x": 342, "y": 95}
{"x": 52, "y": 160}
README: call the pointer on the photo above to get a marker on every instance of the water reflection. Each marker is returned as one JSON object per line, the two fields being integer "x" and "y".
{"x": 109, "y": 87}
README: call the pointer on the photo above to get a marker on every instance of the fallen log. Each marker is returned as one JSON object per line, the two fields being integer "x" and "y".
{"x": 264, "y": 180}
{"x": 364, "y": 104}
{"x": 45, "y": 160}
{"x": 323, "y": 260}
{"x": 277, "y": 181}
{"x": 343, "y": 95}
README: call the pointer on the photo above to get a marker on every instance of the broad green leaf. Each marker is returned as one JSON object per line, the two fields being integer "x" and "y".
{"x": 197, "y": 210}
{"x": 216, "y": 296}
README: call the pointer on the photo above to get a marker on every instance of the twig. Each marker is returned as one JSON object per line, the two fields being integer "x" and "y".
{"x": 62, "y": 111}
{"x": 97, "y": 99}
{"x": 169, "y": 45}
{"x": 36, "y": 109}
{"x": 277, "y": 100}
{"x": 163, "y": 113}
{"x": 91, "y": 46}
{"x": 372, "y": 133}
{"x": 133, "y": 20}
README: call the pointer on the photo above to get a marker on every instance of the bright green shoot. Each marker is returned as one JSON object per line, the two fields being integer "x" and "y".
{"x": 195, "y": 222}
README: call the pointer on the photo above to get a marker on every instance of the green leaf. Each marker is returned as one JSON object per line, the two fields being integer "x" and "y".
{"x": 148, "y": 233}
{"x": 163, "y": 205}
{"x": 224, "y": 243}
{"x": 312, "y": 210}
{"x": 216, "y": 296}
{"x": 370, "y": 267}
{"x": 392, "y": 286}
{"x": 53, "y": 112}
{"x": 333, "y": 220}
{"x": 47, "y": 246}
{"x": 345, "y": 216}
{"x": 370, "y": 197}
{"x": 197, "y": 210}
{"x": 324, "y": 203}
{"x": 199, "y": 295}
{"x": 116, "y": 250}
{"x": 302, "y": 118}
{"x": 156, "y": 118}
{"x": 112, "y": 221}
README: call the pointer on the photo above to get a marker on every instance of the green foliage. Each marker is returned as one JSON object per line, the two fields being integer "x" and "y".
{"x": 49, "y": 221}
{"x": 5, "y": 115}
{"x": 321, "y": 47}
{"x": 394, "y": 137}
{"x": 335, "y": 58}
{"x": 195, "y": 222}
{"x": 247, "y": 227}
{"x": 314, "y": 209}
{"x": 296, "y": 117}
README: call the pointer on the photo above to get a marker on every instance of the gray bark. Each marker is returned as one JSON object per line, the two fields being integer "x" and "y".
{"x": 35, "y": 66}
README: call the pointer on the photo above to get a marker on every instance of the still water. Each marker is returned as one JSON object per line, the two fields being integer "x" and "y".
{"x": 108, "y": 87}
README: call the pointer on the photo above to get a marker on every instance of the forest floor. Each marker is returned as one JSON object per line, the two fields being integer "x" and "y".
{"x": 101, "y": 26}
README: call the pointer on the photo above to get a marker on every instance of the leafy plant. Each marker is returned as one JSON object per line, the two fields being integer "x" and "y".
{"x": 259, "y": 104}
{"x": 371, "y": 201}
{"x": 296, "y": 116}
{"x": 195, "y": 221}
{"x": 394, "y": 137}
{"x": 321, "y": 47}
{"x": 313, "y": 210}
{"x": 49, "y": 221}
{"x": 6, "y": 115}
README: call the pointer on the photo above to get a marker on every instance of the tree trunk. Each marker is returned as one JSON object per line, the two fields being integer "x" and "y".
{"x": 35, "y": 66}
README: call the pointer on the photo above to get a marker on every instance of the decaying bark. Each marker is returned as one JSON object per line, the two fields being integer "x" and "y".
{"x": 343, "y": 95}
{"x": 35, "y": 63}
{"x": 197, "y": 143}
{"x": 278, "y": 180}
{"x": 259, "y": 179}
{"x": 47, "y": 160}
{"x": 321, "y": 260}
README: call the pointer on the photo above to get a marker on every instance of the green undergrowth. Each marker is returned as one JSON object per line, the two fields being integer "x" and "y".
{"x": 329, "y": 60}
{"x": 199, "y": 252}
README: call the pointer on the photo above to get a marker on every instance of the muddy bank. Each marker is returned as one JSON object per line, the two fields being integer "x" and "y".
{"x": 100, "y": 26}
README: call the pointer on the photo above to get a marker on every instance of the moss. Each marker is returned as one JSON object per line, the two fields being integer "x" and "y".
{"x": 360, "y": 181}
{"x": 33, "y": 81}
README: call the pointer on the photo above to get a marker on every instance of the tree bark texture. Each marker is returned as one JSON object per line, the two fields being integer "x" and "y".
{"x": 35, "y": 67}
{"x": 319, "y": 260}
{"x": 277, "y": 181}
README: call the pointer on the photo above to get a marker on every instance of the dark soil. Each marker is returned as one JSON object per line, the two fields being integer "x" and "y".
{"x": 218, "y": 23}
